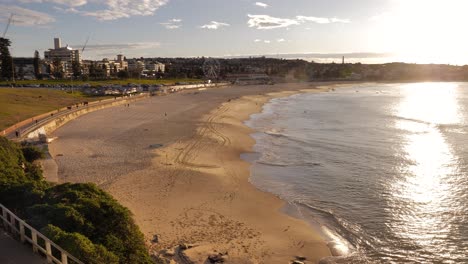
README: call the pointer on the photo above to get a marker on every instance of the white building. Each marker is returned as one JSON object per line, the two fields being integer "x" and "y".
{"x": 155, "y": 66}
{"x": 66, "y": 55}
{"x": 136, "y": 65}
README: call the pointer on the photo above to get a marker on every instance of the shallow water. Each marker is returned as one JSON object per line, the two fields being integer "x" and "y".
{"x": 381, "y": 167}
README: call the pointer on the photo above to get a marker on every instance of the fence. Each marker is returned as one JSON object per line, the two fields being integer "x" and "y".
{"x": 40, "y": 243}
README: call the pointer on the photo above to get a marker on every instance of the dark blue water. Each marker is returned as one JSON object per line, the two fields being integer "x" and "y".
{"x": 382, "y": 169}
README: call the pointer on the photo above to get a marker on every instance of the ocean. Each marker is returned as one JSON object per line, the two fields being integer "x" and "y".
{"x": 381, "y": 170}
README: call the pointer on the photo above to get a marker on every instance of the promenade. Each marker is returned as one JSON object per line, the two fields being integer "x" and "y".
{"x": 13, "y": 252}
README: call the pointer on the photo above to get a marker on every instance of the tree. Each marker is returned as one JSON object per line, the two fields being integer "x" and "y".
{"x": 6, "y": 60}
{"x": 76, "y": 68}
{"x": 20, "y": 73}
{"x": 92, "y": 70}
{"x": 57, "y": 69}
{"x": 104, "y": 71}
{"x": 123, "y": 74}
{"x": 37, "y": 63}
{"x": 114, "y": 72}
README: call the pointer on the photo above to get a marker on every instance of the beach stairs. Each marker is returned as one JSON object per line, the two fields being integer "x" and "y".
{"x": 39, "y": 243}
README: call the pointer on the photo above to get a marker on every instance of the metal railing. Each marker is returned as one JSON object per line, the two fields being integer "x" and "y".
{"x": 40, "y": 243}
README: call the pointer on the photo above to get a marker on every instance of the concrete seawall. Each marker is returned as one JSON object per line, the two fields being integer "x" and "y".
{"x": 46, "y": 127}
{"x": 197, "y": 86}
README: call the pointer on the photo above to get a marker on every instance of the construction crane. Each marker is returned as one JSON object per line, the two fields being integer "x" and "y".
{"x": 8, "y": 26}
{"x": 84, "y": 46}
{"x": 82, "y": 51}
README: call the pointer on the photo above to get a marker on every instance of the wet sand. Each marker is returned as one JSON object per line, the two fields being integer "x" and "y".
{"x": 174, "y": 161}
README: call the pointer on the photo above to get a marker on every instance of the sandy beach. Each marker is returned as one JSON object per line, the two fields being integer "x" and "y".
{"x": 174, "y": 161}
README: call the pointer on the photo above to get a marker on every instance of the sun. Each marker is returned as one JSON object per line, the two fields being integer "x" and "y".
{"x": 426, "y": 31}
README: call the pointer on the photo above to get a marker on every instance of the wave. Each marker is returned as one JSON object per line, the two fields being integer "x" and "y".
{"x": 275, "y": 133}
{"x": 349, "y": 232}
{"x": 411, "y": 120}
{"x": 438, "y": 126}
{"x": 277, "y": 164}
{"x": 453, "y": 128}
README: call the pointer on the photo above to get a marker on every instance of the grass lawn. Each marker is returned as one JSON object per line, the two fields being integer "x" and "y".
{"x": 101, "y": 82}
{"x": 18, "y": 104}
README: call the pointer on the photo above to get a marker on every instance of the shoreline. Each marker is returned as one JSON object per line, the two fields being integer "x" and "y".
{"x": 197, "y": 190}
{"x": 338, "y": 246}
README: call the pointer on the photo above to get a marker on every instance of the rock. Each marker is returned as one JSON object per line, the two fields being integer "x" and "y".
{"x": 157, "y": 258}
{"x": 185, "y": 246}
{"x": 155, "y": 239}
{"x": 301, "y": 258}
{"x": 155, "y": 146}
{"x": 168, "y": 252}
{"x": 297, "y": 262}
{"x": 216, "y": 258}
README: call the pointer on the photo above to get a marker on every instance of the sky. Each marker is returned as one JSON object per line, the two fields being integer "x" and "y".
{"x": 368, "y": 31}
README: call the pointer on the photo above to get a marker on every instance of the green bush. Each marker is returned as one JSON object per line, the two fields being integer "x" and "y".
{"x": 11, "y": 161}
{"x": 80, "y": 246}
{"x": 81, "y": 218}
{"x": 32, "y": 153}
{"x": 86, "y": 209}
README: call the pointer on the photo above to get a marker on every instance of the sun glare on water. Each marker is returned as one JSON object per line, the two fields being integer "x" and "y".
{"x": 426, "y": 31}
{"x": 421, "y": 212}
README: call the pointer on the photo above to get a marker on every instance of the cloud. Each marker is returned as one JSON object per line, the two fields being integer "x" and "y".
{"x": 120, "y": 46}
{"x": 70, "y": 10}
{"x": 266, "y": 41}
{"x": 172, "y": 24}
{"x": 72, "y": 3}
{"x": 98, "y": 51}
{"x": 113, "y": 9}
{"x": 214, "y": 25}
{"x": 338, "y": 20}
{"x": 260, "y": 4}
{"x": 269, "y": 22}
{"x": 321, "y": 20}
{"x": 24, "y": 17}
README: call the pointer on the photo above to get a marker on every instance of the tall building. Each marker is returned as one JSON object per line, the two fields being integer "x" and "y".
{"x": 66, "y": 55}
{"x": 57, "y": 43}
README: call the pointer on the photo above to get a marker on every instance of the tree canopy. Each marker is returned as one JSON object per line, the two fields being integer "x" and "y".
{"x": 6, "y": 61}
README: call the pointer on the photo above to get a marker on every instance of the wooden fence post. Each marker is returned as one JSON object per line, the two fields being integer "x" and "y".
{"x": 5, "y": 218}
{"x": 34, "y": 239}
{"x": 48, "y": 251}
{"x": 64, "y": 258}
{"x": 22, "y": 231}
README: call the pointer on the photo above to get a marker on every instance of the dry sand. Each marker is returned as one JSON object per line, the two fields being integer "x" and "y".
{"x": 194, "y": 188}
